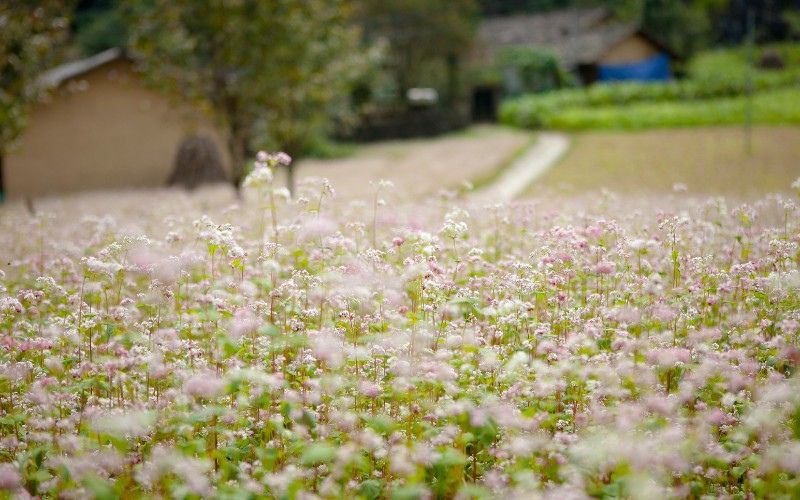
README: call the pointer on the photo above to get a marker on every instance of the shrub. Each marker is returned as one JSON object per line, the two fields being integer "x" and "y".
{"x": 533, "y": 111}
{"x": 714, "y": 75}
{"x": 775, "y": 107}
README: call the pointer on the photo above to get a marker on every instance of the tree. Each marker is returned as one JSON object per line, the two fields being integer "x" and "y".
{"x": 419, "y": 31}
{"x": 684, "y": 25}
{"x": 773, "y": 20}
{"x": 99, "y": 25}
{"x": 29, "y": 39}
{"x": 268, "y": 70}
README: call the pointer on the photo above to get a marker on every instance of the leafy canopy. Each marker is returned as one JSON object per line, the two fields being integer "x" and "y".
{"x": 269, "y": 71}
{"x": 29, "y": 39}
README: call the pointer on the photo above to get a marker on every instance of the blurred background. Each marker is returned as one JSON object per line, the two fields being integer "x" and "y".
{"x": 651, "y": 95}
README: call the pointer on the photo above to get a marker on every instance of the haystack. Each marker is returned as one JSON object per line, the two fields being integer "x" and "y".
{"x": 198, "y": 162}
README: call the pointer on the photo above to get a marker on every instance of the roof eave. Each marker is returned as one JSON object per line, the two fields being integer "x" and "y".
{"x": 60, "y": 74}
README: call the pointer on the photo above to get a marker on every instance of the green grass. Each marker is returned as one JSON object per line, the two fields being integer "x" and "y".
{"x": 327, "y": 149}
{"x": 708, "y": 160}
{"x": 781, "y": 106}
{"x": 769, "y": 108}
{"x": 538, "y": 110}
{"x": 733, "y": 62}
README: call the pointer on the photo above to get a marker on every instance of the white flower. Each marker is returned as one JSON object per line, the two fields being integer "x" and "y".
{"x": 260, "y": 176}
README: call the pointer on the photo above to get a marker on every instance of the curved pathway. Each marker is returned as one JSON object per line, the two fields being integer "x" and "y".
{"x": 549, "y": 147}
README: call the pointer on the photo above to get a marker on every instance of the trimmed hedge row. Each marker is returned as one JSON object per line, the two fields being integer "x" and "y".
{"x": 541, "y": 110}
{"x": 772, "y": 107}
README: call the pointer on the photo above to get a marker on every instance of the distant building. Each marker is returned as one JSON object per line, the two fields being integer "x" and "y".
{"x": 591, "y": 43}
{"x": 102, "y": 128}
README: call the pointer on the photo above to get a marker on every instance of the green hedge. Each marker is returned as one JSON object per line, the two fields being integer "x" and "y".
{"x": 534, "y": 111}
{"x": 718, "y": 74}
{"x": 773, "y": 107}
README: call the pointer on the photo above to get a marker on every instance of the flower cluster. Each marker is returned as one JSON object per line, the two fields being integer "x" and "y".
{"x": 589, "y": 347}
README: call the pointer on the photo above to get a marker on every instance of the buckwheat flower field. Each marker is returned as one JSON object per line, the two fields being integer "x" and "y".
{"x": 184, "y": 346}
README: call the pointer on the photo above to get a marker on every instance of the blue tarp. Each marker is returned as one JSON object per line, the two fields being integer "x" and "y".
{"x": 653, "y": 69}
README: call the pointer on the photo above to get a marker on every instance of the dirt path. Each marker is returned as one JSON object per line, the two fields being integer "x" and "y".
{"x": 549, "y": 147}
{"x": 419, "y": 167}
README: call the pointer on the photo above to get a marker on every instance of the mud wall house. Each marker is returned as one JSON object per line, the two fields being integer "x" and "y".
{"x": 591, "y": 43}
{"x": 101, "y": 128}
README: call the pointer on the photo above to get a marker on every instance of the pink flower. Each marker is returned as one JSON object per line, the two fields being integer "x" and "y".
{"x": 327, "y": 347}
{"x": 282, "y": 158}
{"x": 207, "y": 386}
{"x": 10, "y": 478}
{"x": 669, "y": 357}
{"x": 605, "y": 267}
{"x": 370, "y": 389}
{"x": 663, "y": 313}
{"x": 244, "y": 323}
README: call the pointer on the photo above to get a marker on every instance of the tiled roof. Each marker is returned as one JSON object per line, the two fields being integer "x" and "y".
{"x": 575, "y": 35}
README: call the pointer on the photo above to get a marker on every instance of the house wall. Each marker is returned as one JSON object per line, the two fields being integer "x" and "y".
{"x": 632, "y": 49}
{"x": 102, "y": 130}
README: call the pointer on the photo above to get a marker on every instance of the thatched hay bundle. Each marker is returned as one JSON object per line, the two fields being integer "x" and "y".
{"x": 198, "y": 162}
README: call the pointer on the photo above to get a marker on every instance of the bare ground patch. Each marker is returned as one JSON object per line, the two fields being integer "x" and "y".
{"x": 419, "y": 167}
{"x": 710, "y": 160}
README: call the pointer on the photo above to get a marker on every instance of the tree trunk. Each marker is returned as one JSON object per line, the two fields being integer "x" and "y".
{"x": 237, "y": 145}
{"x": 2, "y": 183}
{"x": 452, "y": 79}
{"x": 290, "y": 178}
{"x": 237, "y": 139}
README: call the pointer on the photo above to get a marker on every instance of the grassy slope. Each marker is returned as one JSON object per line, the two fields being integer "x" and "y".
{"x": 709, "y": 160}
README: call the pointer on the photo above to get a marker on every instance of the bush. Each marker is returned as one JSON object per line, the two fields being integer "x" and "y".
{"x": 714, "y": 75}
{"x": 774, "y": 107}
{"x": 534, "y": 111}
{"x": 533, "y": 70}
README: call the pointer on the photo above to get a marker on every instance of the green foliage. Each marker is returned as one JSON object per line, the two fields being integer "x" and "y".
{"x": 683, "y": 25}
{"x": 774, "y": 107}
{"x": 505, "y": 7}
{"x": 318, "y": 453}
{"x": 527, "y": 69}
{"x": 732, "y": 63}
{"x": 99, "y": 26}
{"x": 714, "y": 94}
{"x": 269, "y": 71}
{"x": 535, "y": 111}
{"x": 426, "y": 38}
{"x": 325, "y": 148}
{"x": 792, "y": 20}
{"x": 29, "y": 43}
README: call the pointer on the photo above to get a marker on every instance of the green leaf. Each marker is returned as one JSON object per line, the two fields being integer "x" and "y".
{"x": 410, "y": 492}
{"x": 382, "y": 424}
{"x": 370, "y": 489}
{"x": 318, "y": 453}
{"x": 474, "y": 491}
{"x": 487, "y": 433}
{"x": 451, "y": 458}
{"x": 99, "y": 488}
